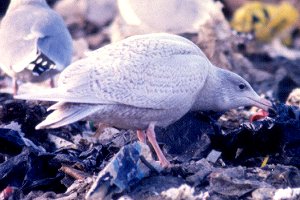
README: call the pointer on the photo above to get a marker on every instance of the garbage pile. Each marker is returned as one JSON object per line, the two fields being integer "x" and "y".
{"x": 241, "y": 154}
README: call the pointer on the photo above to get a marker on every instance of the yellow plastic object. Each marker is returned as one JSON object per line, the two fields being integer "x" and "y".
{"x": 265, "y": 161}
{"x": 264, "y": 20}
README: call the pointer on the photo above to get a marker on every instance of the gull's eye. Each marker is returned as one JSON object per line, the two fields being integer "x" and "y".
{"x": 255, "y": 19}
{"x": 242, "y": 86}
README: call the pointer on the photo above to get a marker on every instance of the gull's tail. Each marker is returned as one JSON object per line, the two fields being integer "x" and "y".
{"x": 66, "y": 113}
{"x": 48, "y": 94}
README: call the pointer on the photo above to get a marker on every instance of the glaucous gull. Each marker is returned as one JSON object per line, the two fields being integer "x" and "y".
{"x": 173, "y": 16}
{"x": 142, "y": 82}
{"x": 35, "y": 44}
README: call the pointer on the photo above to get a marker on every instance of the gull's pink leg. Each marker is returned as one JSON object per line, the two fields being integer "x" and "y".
{"x": 52, "y": 84}
{"x": 141, "y": 136}
{"x": 15, "y": 86}
{"x": 152, "y": 139}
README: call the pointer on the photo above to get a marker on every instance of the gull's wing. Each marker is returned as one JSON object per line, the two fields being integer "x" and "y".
{"x": 37, "y": 30}
{"x": 54, "y": 39}
{"x": 157, "y": 71}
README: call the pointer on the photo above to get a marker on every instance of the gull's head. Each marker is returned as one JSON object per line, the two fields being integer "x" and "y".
{"x": 234, "y": 92}
{"x": 16, "y": 3}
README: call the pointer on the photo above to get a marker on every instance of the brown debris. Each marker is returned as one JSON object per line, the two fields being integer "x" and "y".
{"x": 76, "y": 174}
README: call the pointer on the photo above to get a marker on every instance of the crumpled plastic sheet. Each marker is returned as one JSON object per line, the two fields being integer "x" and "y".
{"x": 27, "y": 166}
{"x": 180, "y": 135}
{"x": 131, "y": 164}
{"x": 278, "y": 133}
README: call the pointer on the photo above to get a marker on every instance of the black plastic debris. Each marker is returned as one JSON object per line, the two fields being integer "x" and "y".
{"x": 27, "y": 167}
{"x": 10, "y": 142}
{"x": 278, "y": 133}
{"x": 30, "y": 171}
{"x": 287, "y": 69}
{"x": 284, "y": 88}
{"x": 26, "y": 114}
{"x": 89, "y": 161}
{"x": 189, "y": 134}
{"x": 3, "y": 7}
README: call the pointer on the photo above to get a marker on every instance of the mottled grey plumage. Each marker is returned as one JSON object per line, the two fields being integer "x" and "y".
{"x": 30, "y": 29}
{"x": 144, "y": 81}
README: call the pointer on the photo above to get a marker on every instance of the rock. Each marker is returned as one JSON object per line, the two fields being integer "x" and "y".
{"x": 204, "y": 169}
{"x": 234, "y": 182}
{"x": 279, "y": 194}
{"x": 263, "y": 193}
{"x": 151, "y": 188}
{"x": 183, "y": 192}
{"x": 213, "y": 156}
{"x": 294, "y": 98}
{"x": 288, "y": 193}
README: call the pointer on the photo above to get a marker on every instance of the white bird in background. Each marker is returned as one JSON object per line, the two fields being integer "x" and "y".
{"x": 173, "y": 16}
{"x": 142, "y": 82}
{"x": 35, "y": 44}
{"x": 98, "y": 12}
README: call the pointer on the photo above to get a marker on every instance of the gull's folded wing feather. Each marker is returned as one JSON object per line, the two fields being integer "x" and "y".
{"x": 54, "y": 40}
{"x": 67, "y": 114}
